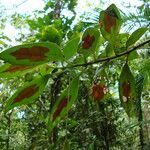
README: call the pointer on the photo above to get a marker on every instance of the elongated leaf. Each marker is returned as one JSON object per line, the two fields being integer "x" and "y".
{"x": 27, "y": 94}
{"x": 127, "y": 91}
{"x": 8, "y": 70}
{"x": 110, "y": 22}
{"x": 135, "y": 36}
{"x": 32, "y": 54}
{"x": 63, "y": 104}
{"x": 71, "y": 47}
{"x": 89, "y": 42}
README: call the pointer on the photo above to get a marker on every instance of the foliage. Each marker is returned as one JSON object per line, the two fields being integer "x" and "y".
{"x": 68, "y": 83}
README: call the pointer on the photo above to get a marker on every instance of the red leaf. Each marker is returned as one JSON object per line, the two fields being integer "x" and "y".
{"x": 126, "y": 90}
{"x": 109, "y": 22}
{"x": 88, "y": 41}
{"x": 16, "y": 68}
{"x": 26, "y": 93}
{"x": 62, "y": 104}
{"x": 35, "y": 53}
{"x": 98, "y": 91}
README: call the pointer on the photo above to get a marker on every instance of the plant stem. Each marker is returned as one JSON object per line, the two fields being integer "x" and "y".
{"x": 108, "y": 58}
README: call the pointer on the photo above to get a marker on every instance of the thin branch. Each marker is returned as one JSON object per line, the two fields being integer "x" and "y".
{"x": 109, "y": 58}
{"x": 16, "y": 6}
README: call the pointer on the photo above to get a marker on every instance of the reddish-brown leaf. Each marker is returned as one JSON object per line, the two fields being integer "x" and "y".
{"x": 109, "y": 22}
{"x": 35, "y": 53}
{"x": 61, "y": 105}
{"x": 26, "y": 93}
{"x": 98, "y": 91}
{"x": 126, "y": 90}
{"x": 88, "y": 41}
{"x": 16, "y": 68}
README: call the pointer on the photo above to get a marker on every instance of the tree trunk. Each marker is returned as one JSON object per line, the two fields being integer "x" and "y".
{"x": 9, "y": 126}
{"x": 55, "y": 90}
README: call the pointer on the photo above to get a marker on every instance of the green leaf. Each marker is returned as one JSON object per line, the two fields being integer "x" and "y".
{"x": 79, "y": 60}
{"x": 2, "y": 139}
{"x": 109, "y": 50}
{"x": 145, "y": 70}
{"x": 133, "y": 55}
{"x": 32, "y": 54}
{"x": 8, "y": 70}
{"x": 71, "y": 47}
{"x": 127, "y": 91}
{"x": 66, "y": 145}
{"x": 90, "y": 40}
{"x": 1, "y": 42}
{"x": 28, "y": 93}
{"x": 120, "y": 43}
{"x": 135, "y": 36}
{"x": 45, "y": 69}
{"x": 110, "y": 22}
{"x": 51, "y": 34}
{"x": 63, "y": 104}
{"x": 91, "y": 146}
